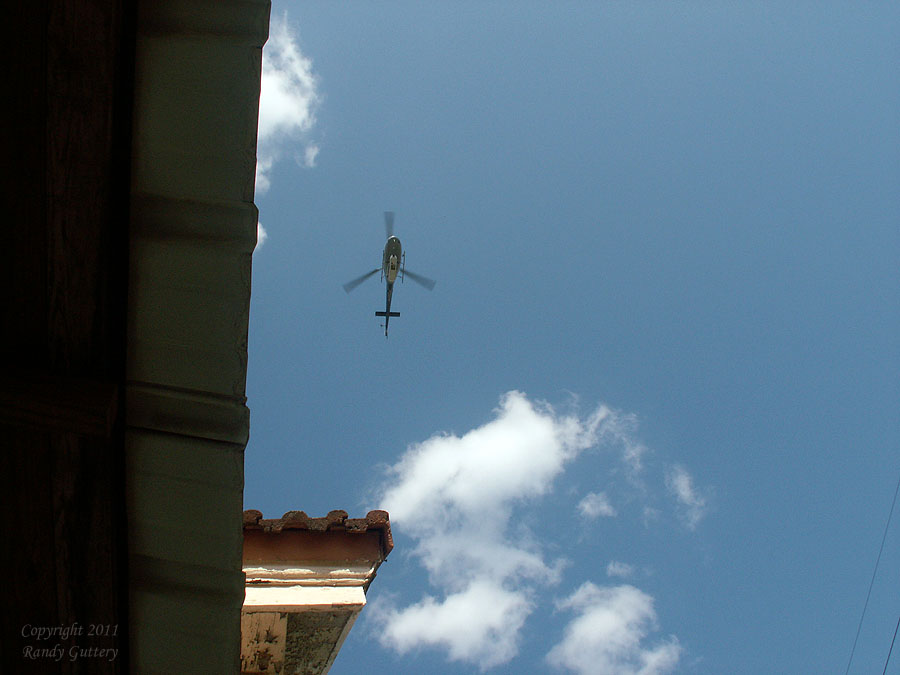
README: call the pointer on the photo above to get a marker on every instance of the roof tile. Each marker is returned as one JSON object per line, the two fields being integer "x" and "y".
{"x": 335, "y": 520}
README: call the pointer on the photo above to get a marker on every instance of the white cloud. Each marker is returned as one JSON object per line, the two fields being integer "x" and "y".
{"x": 263, "y": 167}
{"x": 309, "y": 155}
{"x": 623, "y": 430}
{"x": 288, "y": 101}
{"x": 516, "y": 455}
{"x": 261, "y": 236}
{"x": 619, "y": 569}
{"x": 607, "y": 635}
{"x": 681, "y": 485}
{"x": 455, "y": 496}
{"x": 462, "y": 500}
{"x": 595, "y": 505}
{"x": 479, "y": 624}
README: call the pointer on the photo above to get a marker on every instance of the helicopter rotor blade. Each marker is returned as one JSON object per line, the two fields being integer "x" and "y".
{"x": 350, "y": 285}
{"x": 419, "y": 279}
{"x": 389, "y": 223}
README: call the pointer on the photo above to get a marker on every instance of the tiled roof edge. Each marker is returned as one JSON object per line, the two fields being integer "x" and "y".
{"x": 335, "y": 520}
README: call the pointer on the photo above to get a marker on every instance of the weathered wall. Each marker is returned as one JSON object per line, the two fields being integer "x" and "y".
{"x": 197, "y": 81}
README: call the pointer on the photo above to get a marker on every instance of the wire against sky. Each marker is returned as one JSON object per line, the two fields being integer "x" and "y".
{"x": 888, "y": 659}
{"x": 872, "y": 582}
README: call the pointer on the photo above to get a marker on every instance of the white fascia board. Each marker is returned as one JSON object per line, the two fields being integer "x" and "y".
{"x": 303, "y": 598}
{"x": 310, "y": 575}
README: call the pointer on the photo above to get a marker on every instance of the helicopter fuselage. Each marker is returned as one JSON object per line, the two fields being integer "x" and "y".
{"x": 391, "y": 266}
{"x": 392, "y": 259}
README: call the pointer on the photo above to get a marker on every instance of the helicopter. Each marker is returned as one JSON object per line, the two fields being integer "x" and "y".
{"x": 393, "y": 264}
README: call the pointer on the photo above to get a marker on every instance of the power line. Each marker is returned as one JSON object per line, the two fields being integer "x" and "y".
{"x": 871, "y": 583}
{"x": 888, "y": 659}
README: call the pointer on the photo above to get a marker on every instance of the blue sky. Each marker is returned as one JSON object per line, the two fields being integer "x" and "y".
{"x": 647, "y": 419}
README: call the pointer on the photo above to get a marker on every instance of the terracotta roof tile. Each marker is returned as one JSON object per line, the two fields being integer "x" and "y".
{"x": 334, "y": 521}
